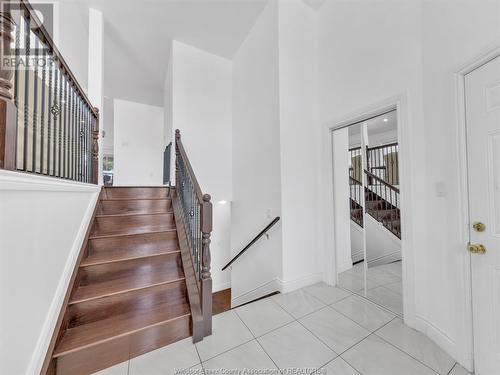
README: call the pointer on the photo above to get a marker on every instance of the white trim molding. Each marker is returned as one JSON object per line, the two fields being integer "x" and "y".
{"x": 400, "y": 104}
{"x": 466, "y": 339}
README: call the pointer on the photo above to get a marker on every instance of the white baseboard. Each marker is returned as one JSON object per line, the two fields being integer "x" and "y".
{"x": 264, "y": 289}
{"x": 388, "y": 258}
{"x": 357, "y": 255}
{"x": 38, "y": 357}
{"x": 221, "y": 286}
{"x": 440, "y": 338}
{"x": 291, "y": 285}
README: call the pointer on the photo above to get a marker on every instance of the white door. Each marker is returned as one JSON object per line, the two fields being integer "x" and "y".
{"x": 482, "y": 88}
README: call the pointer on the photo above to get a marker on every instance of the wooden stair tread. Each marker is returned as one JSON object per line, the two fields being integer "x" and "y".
{"x": 111, "y": 249}
{"x": 112, "y": 278}
{"x": 136, "y": 192}
{"x": 134, "y": 206}
{"x": 120, "y": 235}
{"x": 144, "y": 309}
{"x": 135, "y": 214}
{"x": 120, "y": 256}
{"x": 131, "y": 224}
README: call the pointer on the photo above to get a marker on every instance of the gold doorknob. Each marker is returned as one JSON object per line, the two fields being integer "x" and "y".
{"x": 477, "y": 248}
{"x": 479, "y": 227}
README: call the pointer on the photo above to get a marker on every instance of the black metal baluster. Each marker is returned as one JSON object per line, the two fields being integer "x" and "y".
{"x": 60, "y": 126}
{"x": 64, "y": 120}
{"x": 17, "y": 73}
{"x": 55, "y": 116}
{"x": 80, "y": 139}
{"x": 35, "y": 109}
{"x": 89, "y": 147}
{"x": 86, "y": 140}
{"x": 71, "y": 131}
{"x": 75, "y": 134}
{"x": 49, "y": 116}
{"x": 42, "y": 115}
{"x": 26, "y": 91}
{"x": 90, "y": 121}
{"x": 77, "y": 138}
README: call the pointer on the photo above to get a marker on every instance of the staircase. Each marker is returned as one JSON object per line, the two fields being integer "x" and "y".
{"x": 381, "y": 200}
{"x": 130, "y": 293}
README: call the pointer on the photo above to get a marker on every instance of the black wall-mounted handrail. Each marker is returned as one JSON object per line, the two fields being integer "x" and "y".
{"x": 276, "y": 219}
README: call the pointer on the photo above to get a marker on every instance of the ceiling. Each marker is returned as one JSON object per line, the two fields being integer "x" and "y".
{"x": 377, "y": 125}
{"x": 138, "y": 35}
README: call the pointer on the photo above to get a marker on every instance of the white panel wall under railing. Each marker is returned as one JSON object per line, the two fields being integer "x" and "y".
{"x": 43, "y": 221}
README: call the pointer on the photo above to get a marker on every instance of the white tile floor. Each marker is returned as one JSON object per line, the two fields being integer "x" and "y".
{"x": 319, "y": 327}
{"x": 384, "y": 286}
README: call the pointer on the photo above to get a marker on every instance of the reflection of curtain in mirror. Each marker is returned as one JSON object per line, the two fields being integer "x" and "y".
{"x": 356, "y": 167}
{"x": 391, "y": 171}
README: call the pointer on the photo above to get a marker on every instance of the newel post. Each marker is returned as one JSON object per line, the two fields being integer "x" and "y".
{"x": 95, "y": 148}
{"x": 206, "y": 278}
{"x": 7, "y": 107}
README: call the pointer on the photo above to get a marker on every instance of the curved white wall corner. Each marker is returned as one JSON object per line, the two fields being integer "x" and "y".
{"x": 198, "y": 102}
{"x": 43, "y": 222}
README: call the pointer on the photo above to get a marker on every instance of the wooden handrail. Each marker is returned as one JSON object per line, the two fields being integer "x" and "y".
{"x": 392, "y": 187}
{"x": 45, "y": 37}
{"x": 382, "y": 146}
{"x": 255, "y": 239}
{"x": 356, "y": 182}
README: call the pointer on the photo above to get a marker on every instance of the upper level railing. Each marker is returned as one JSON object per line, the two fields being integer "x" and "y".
{"x": 382, "y": 161}
{"x": 196, "y": 212}
{"x": 48, "y": 125}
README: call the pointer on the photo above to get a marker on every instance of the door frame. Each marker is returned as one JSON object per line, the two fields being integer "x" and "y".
{"x": 400, "y": 104}
{"x": 463, "y": 195}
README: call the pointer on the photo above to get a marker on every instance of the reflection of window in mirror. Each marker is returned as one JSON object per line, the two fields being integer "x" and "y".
{"x": 107, "y": 163}
{"x": 107, "y": 169}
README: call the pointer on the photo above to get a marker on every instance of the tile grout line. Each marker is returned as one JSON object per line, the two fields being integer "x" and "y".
{"x": 455, "y": 365}
{"x": 225, "y": 351}
{"x": 353, "y": 345}
{"x": 403, "y": 351}
{"x": 199, "y": 357}
{"x": 369, "y": 300}
{"x": 258, "y": 342}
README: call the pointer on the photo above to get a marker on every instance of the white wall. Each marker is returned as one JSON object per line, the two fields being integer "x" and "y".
{"x": 73, "y": 25}
{"x": 202, "y": 111}
{"x": 370, "y": 52}
{"x": 198, "y": 99}
{"x": 299, "y": 144}
{"x": 373, "y": 51}
{"x": 138, "y": 144}
{"x": 342, "y": 223}
{"x": 453, "y": 33}
{"x": 256, "y": 158}
{"x": 42, "y": 226}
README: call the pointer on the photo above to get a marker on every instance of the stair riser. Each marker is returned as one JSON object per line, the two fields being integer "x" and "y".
{"x": 146, "y": 242}
{"x": 110, "y": 207}
{"x": 135, "y": 193}
{"x": 116, "y": 225}
{"x": 106, "y": 354}
{"x": 94, "y": 310}
{"x": 112, "y": 278}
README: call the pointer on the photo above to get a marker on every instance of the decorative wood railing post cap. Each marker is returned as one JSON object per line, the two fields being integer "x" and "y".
{"x": 177, "y": 134}
{"x": 206, "y": 197}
